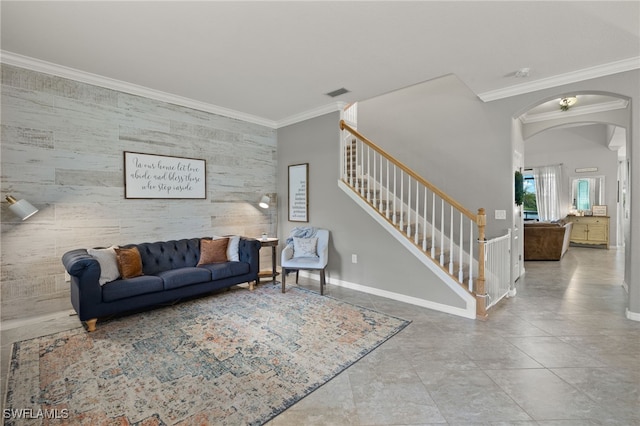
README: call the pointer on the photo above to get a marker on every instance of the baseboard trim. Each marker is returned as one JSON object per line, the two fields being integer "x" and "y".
{"x": 461, "y": 312}
{"x": 633, "y": 316}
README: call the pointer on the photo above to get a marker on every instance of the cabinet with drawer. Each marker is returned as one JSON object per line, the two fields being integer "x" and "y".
{"x": 590, "y": 230}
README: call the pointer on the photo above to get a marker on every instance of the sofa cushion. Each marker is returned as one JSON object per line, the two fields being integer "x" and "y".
{"x": 175, "y": 278}
{"x": 213, "y": 251}
{"x": 225, "y": 270}
{"x": 122, "y": 289}
{"x": 129, "y": 262}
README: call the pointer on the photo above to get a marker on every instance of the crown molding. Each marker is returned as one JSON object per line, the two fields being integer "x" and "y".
{"x": 561, "y": 79}
{"x": 307, "y": 115}
{"x": 575, "y": 111}
{"x": 38, "y": 65}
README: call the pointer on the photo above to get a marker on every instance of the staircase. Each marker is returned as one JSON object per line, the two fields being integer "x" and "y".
{"x": 435, "y": 228}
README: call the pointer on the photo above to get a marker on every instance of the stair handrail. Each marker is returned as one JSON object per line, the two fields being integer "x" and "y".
{"x": 409, "y": 171}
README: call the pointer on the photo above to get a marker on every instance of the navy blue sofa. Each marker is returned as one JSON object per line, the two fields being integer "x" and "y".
{"x": 170, "y": 274}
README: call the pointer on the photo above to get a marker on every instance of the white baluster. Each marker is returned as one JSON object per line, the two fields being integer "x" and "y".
{"x": 380, "y": 185}
{"x": 470, "y": 255}
{"x": 401, "y": 200}
{"x": 451, "y": 241}
{"x": 375, "y": 180}
{"x": 409, "y": 207}
{"x": 395, "y": 218}
{"x": 416, "y": 237}
{"x": 388, "y": 206}
{"x": 424, "y": 222}
{"x": 368, "y": 187}
{"x": 460, "y": 246}
{"x": 433, "y": 225}
{"x": 442, "y": 232}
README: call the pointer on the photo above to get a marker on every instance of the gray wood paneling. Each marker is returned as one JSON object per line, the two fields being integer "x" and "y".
{"x": 62, "y": 150}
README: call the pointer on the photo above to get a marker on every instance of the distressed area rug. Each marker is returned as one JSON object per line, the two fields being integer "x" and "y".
{"x": 234, "y": 358}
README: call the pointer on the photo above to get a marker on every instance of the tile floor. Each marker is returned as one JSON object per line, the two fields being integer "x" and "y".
{"x": 559, "y": 353}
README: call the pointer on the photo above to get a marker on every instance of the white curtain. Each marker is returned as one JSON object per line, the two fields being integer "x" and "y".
{"x": 548, "y": 191}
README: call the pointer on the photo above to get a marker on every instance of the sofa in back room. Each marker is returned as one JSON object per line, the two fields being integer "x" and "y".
{"x": 546, "y": 240}
{"x": 118, "y": 280}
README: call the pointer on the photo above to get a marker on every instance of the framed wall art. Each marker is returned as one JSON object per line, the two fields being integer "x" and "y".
{"x": 299, "y": 193}
{"x": 599, "y": 210}
{"x": 160, "y": 176}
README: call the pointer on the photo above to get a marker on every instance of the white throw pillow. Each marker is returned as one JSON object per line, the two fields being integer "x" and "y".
{"x": 233, "y": 248}
{"x": 108, "y": 263}
{"x": 305, "y": 247}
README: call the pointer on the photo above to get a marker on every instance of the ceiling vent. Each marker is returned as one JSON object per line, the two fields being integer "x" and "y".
{"x": 338, "y": 92}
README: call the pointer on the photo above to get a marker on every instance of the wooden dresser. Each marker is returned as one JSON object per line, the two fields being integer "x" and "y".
{"x": 590, "y": 230}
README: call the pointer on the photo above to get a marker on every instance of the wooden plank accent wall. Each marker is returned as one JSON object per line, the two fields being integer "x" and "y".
{"x": 62, "y": 146}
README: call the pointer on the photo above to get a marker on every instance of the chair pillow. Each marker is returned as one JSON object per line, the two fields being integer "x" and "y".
{"x": 305, "y": 247}
{"x": 129, "y": 262}
{"x": 108, "y": 263}
{"x": 213, "y": 251}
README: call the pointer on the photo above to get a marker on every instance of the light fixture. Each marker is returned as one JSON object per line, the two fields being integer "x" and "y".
{"x": 264, "y": 202}
{"x": 23, "y": 209}
{"x": 567, "y": 102}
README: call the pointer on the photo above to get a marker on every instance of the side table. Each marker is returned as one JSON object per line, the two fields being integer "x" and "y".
{"x": 273, "y": 243}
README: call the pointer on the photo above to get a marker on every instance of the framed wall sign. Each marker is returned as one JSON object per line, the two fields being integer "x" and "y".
{"x": 299, "y": 193}
{"x": 599, "y": 210}
{"x": 159, "y": 176}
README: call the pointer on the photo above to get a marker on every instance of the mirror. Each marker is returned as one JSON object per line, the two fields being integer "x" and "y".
{"x": 586, "y": 192}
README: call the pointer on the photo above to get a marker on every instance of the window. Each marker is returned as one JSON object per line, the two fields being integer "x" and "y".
{"x": 529, "y": 204}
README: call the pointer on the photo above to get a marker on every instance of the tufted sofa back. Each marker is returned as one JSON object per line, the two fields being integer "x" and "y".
{"x": 165, "y": 255}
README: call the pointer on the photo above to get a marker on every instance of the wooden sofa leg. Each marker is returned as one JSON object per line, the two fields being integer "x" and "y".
{"x": 251, "y": 285}
{"x": 91, "y": 324}
{"x": 323, "y": 282}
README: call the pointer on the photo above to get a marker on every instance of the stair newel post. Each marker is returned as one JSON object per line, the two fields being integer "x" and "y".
{"x": 481, "y": 295}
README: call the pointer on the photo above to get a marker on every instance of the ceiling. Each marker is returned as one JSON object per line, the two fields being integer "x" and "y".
{"x": 272, "y": 62}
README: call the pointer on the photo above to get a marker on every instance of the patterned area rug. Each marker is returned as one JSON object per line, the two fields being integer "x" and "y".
{"x": 234, "y": 358}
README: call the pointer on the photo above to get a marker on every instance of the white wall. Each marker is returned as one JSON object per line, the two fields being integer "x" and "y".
{"x": 62, "y": 150}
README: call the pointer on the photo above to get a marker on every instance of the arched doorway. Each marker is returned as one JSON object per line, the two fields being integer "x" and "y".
{"x": 552, "y": 131}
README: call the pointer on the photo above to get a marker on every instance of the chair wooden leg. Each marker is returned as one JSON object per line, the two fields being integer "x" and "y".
{"x": 297, "y": 272}
{"x": 322, "y": 281}
{"x": 284, "y": 278}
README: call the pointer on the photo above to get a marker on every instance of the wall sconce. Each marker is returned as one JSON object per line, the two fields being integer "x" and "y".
{"x": 264, "y": 202}
{"x": 23, "y": 209}
{"x": 568, "y": 102}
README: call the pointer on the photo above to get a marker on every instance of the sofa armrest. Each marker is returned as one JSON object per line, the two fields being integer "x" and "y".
{"x": 249, "y": 251}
